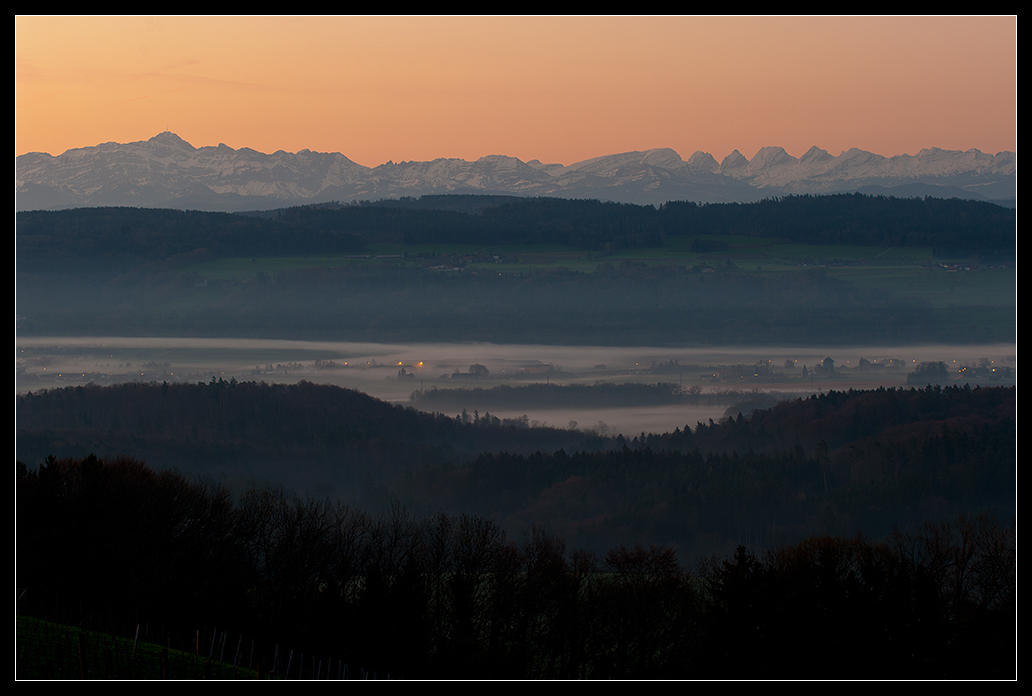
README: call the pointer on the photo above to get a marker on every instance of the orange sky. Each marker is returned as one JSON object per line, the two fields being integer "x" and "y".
{"x": 559, "y": 89}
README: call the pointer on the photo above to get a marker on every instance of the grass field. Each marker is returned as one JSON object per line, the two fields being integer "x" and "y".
{"x": 896, "y": 270}
{"x": 941, "y": 288}
{"x": 47, "y": 650}
{"x": 981, "y": 300}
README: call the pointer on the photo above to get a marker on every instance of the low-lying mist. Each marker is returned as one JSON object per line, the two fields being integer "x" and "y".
{"x": 392, "y": 372}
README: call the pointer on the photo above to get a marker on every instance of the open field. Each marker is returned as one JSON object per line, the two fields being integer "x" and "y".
{"x": 48, "y": 650}
{"x": 895, "y": 269}
{"x": 965, "y": 296}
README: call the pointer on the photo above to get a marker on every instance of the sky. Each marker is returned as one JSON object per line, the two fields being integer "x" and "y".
{"x": 553, "y": 88}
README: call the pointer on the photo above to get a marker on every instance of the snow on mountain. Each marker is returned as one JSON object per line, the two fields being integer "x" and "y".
{"x": 815, "y": 156}
{"x": 734, "y": 165}
{"x": 703, "y": 162}
{"x": 167, "y": 171}
{"x": 613, "y": 165}
{"x": 770, "y": 158}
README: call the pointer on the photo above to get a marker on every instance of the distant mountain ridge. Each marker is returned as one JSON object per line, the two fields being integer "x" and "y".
{"x": 166, "y": 171}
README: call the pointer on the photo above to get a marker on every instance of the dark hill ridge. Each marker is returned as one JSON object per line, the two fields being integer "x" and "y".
{"x": 307, "y": 436}
{"x": 136, "y": 235}
{"x": 839, "y": 463}
{"x": 835, "y": 463}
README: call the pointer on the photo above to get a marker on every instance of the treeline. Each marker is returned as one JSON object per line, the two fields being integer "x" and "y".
{"x": 833, "y": 463}
{"x": 352, "y": 445}
{"x": 112, "y": 544}
{"x": 123, "y": 236}
{"x": 775, "y": 478}
{"x": 842, "y": 417}
{"x": 952, "y": 227}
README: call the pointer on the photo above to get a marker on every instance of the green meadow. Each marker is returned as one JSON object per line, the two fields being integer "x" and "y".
{"x": 981, "y": 297}
{"x": 47, "y": 650}
{"x": 905, "y": 271}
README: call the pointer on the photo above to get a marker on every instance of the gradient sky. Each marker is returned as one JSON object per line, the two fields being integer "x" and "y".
{"x": 558, "y": 89}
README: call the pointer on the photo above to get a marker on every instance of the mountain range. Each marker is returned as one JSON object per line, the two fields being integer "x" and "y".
{"x": 168, "y": 172}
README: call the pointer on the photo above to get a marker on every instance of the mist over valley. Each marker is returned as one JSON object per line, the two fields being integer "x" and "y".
{"x": 716, "y": 378}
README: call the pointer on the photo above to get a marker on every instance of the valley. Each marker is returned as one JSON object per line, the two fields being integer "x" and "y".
{"x": 393, "y": 372}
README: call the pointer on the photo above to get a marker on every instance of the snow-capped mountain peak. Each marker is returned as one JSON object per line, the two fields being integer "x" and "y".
{"x": 167, "y": 171}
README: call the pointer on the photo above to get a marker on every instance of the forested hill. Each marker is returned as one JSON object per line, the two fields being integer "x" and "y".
{"x": 310, "y": 437}
{"x": 130, "y": 236}
{"x": 851, "y": 418}
{"x": 837, "y": 463}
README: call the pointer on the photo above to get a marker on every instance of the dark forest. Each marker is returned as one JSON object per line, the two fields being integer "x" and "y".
{"x": 877, "y": 521}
